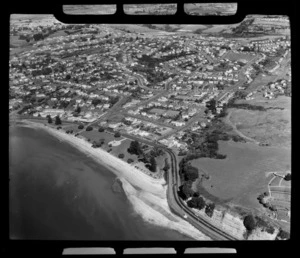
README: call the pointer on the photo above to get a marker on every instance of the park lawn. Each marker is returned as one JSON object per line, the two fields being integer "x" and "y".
{"x": 73, "y": 127}
{"x": 122, "y": 148}
{"x": 94, "y": 135}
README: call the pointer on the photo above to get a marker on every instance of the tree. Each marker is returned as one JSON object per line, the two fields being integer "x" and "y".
{"x": 49, "y": 119}
{"x": 273, "y": 208}
{"x": 68, "y": 77}
{"x": 101, "y": 129}
{"x": 287, "y": 177}
{"x": 57, "y": 120}
{"x": 167, "y": 165}
{"x": 81, "y": 126}
{"x": 78, "y": 109}
{"x": 209, "y": 209}
{"x": 130, "y": 161}
{"x": 117, "y": 135}
{"x": 121, "y": 155}
{"x": 89, "y": 128}
{"x": 27, "y": 40}
{"x": 152, "y": 164}
{"x": 249, "y": 222}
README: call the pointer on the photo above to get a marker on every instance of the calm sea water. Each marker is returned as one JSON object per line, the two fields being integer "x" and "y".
{"x": 57, "y": 192}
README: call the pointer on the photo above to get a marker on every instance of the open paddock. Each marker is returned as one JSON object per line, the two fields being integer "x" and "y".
{"x": 239, "y": 56}
{"x": 280, "y": 189}
{"x": 285, "y": 183}
{"x": 283, "y": 215}
{"x": 281, "y": 196}
{"x": 281, "y": 205}
{"x": 272, "y": 126}
{"x": 275, "y": 181}
{"x": 241, "y": 176}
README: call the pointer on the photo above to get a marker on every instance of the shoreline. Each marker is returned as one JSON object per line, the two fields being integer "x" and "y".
{"x": 114, "y": 164}
{"x": 147, "y": 195}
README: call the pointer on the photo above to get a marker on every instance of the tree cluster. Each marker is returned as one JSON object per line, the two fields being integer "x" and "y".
{"x": 135, "y": 148}
{"x": 117, "y": 135}
{"x": 89, "y": 128}
{"x": 38, "y": 36}
{"x": 185, "y": 191}
{"x": 283, "y": 234}
{"x": 211, "y": 105}
{"x": 196, "y": 202}
{"x": 98, "y": 144}
{"x": 152, "y": 166}
{"x": 186, "y": 171}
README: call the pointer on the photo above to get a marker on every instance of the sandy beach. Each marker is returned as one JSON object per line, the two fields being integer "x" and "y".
{"x": 146, "y": 194}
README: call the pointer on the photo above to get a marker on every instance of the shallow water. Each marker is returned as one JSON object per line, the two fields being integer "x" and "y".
{"x": 57, "y": 192}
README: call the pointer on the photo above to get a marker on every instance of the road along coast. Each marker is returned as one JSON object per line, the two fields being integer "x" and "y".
{"x": 147, "y": 195}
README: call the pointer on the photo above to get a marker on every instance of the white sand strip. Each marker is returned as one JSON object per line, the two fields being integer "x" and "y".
{"x": 150, "y": 202}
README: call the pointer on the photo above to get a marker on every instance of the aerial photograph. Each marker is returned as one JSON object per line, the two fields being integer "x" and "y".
{"x": 149, "y": 131}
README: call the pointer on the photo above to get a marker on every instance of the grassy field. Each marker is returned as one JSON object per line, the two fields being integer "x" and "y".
{"x": 216, "y": 29}
{"x": 146, "y": 9}
{"x": 57, "y": 34}
{"x": 122, "y": 149}
{"x": 275, "y": 181}
{"x": 241, "y": 176}
{"x": 33, "y": 19}
{"x": 18, "y": 45}
{"x": 211, "y": 8}
{"x": 95, "y": 135}
{"x": 238, "y": 56}
{"x": 272, "y": 126}
{"x": 89, "y": 9}
{"x": 285, "y": 183}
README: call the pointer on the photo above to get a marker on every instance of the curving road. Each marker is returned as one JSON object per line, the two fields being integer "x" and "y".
{"x": 178, "y": 206}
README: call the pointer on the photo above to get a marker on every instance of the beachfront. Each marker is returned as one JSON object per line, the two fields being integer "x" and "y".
{"x": 150, "y": 202}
